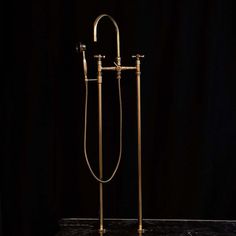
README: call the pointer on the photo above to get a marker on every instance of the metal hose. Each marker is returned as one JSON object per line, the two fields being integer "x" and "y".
{"x": 85, "y": 136}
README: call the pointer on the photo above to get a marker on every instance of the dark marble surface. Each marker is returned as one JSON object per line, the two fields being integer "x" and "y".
{"x": 122, "y": 227}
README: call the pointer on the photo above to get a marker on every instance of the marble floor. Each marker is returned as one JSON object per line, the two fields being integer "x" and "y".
{"x": 153, "y": 227}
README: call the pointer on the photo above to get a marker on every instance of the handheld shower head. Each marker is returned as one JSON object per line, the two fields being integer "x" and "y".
{"x": 82, "y": 49}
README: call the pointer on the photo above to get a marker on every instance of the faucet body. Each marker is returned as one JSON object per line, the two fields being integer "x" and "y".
{"x": 117, "y": 67}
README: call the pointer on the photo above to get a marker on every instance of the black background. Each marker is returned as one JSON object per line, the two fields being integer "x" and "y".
{"x": 188, "y": 112}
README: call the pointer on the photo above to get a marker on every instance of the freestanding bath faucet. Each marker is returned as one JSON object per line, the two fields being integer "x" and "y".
{"x": 118, "y": 68}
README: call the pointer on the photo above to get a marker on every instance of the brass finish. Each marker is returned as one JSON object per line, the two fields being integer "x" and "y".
{"x": 118, "y": 59}
{"x": 138, "y": 73}
{"x": 82, "y": 49}
{"x": 99, "y": 81}
{"x": 99, "y": 75}
{"x": 118, "y": 68}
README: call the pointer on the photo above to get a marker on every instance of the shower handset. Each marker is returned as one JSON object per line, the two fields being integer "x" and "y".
{"x": 82, "y": 48}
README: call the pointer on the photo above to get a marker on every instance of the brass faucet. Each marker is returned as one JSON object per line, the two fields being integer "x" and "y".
{"x": 118, "y": 58}
{"x": 118, "y": 68}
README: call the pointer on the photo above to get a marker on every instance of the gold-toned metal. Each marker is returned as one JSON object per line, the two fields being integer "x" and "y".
{"x": 99, "y": 65}
{"x": 140, "y": 232}
{"x": 118, "y": 68}
{"x": 99, "y": 79}
{"x": 138, "y": 73}
{"x": 82, "y": 49}
{"x": 118, "y": 59}
{"x": 101, "y": 232}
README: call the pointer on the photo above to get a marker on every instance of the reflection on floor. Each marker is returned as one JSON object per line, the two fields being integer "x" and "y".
{"x": 126, "y": 227}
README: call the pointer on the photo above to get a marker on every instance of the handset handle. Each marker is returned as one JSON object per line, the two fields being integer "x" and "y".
{"x": 82, "y": 49}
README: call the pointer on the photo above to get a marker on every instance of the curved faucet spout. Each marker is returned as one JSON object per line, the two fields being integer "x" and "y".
{"x": 117, "y": 34}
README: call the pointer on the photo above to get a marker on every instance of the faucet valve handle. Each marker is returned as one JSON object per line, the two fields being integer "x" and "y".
{"x": 137, "y": 56}
{"x": 99, "y": 56}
